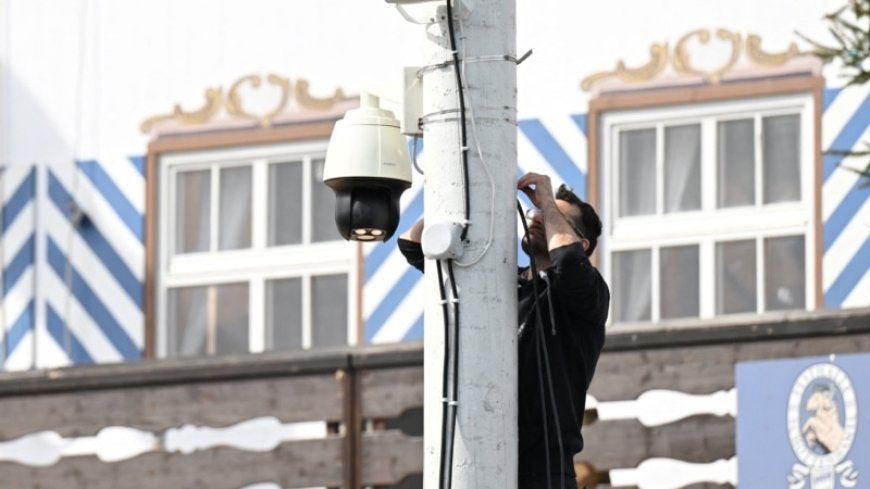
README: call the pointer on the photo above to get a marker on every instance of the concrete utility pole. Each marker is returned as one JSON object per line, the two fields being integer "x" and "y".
{"x": 485, "y": 450}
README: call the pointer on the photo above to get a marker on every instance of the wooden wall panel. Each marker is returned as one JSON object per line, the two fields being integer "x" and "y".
{"x": 298, "y": 464}
{"x": 213, "y": 404}
{"x": 624, "y": 444}
{"x": 389, "y": 393}
{"x": 702, "y": 369}
{"x": 347, "y": 386}
{"x": 388, "y": 456}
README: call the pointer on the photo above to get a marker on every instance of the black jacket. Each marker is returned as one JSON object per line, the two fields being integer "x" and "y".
{"x": 579, "y": 299}
{"x": 576, "y": 297}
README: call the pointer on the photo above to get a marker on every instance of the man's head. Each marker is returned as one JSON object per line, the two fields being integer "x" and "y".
{"x": 580, "y": 215}
{"x": 585, "y": 220}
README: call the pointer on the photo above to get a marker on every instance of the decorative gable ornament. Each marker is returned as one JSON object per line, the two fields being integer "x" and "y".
{"x": 757, "y": 62}
{"x": 229, "y": 108}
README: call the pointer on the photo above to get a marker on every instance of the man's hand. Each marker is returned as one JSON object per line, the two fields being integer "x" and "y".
{"x": 559, "y": 232}
{"x": 537, "y": 188}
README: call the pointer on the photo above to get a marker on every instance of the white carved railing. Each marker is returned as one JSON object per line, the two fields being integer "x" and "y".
{"x": 116, "y": 443}
{"x": 665, "y": 473}
{"x": 658, "y": 407}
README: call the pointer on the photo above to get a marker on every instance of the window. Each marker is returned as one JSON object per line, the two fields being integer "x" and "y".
{"x": 248, "y": 258}
{"x": 708, "y": 209}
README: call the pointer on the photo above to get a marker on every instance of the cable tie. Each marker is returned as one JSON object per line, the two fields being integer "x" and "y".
{"x": 443, "y": 301}
{"x": 444, "y": 400}
{"x": 523, "y": 57}
{"x": 453, "y": 403}
{"x": 464, "y": 148}
{"x": 455, "y": 300}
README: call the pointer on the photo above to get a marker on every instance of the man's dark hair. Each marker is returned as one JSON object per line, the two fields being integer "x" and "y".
{"x": 589, "y": 225}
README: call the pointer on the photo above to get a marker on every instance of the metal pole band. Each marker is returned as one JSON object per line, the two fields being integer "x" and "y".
{"x": 472, "y": 59}
{"x": 434, "y": 117}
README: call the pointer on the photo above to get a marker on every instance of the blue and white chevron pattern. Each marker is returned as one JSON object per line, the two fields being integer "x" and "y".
{"x": 93, "y": 290}
{"x": 845, "y": 200}
{"x": 88, "y": 306}
{"x": 19, "y": 274}
{"x": 393, "y": 300}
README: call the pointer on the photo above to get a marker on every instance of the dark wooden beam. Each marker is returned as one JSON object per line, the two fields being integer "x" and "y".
{"x": 148, "y": 373}
{"x": 729, "y": 330}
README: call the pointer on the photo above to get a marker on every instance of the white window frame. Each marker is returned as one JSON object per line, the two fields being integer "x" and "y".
{"x": 260, "y": 262}
{"x": 709, "y": 225}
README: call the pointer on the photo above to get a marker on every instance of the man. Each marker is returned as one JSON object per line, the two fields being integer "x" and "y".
{"x": 572, "y": 305}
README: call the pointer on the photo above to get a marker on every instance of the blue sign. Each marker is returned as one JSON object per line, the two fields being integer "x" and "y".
{"x": 804, "y": 423}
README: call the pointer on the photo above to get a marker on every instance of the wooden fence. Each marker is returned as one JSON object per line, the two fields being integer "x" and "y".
{"x": 231, "y": 422}
{"x": 55, "y": 422}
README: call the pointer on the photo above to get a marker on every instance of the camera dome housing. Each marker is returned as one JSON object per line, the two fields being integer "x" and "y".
{"x": 368, "y": 167}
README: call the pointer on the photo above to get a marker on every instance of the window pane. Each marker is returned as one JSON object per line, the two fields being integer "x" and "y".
{"x": 231, "y": 320}
{"x": 285, "y": 203}
{"x": 329, "y": 310}
{"x": 679, "y": 278}
{"x": 234, "y": 223}
{"x": 637, "y": 172}
{"x": 683, "y": 168}
{"x": 187, "y": 320}
{"x": 284, "y": 314}
{"x": 735, "y": 277}
{"x": 781, "y": 149}
{"x": 193, "y": 211}
{"x": 322, "y": 206}
{"x": 736, "y": 163}
{"x": 632, "y": 287}
{"x": 784, "y": 273}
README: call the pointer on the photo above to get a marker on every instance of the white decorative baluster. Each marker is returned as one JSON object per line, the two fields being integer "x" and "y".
{"x": 116, "y": 443}
{"x": 77, "y": 447}
{"x": 112, "y": 444}
{"x": 591, "y": 402}
{"x": 664, "y": 473}
{"x": 37, "y": 449}
{"x": 258, "y": 434}
{"x": 658, "y": 407}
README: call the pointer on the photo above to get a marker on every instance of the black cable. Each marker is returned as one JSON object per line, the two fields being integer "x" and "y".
{"x": 543, "y": 407}
{"x": 453, "y": 402}
{"x": 541, "y": 346}
{"x": 447, "y": 437}
{"x": 463, "y": 140}
{"x": 553, "y": 402}
{"x": 534, "y": 270}
{"x": 443, "y": 470}
{"x": 448, "y": 427}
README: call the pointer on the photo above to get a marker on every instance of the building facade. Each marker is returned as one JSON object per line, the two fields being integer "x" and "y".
{"x": 161, "y": 170}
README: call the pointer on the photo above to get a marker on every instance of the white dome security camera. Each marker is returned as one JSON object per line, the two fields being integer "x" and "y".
{"x": 368, "y": 167}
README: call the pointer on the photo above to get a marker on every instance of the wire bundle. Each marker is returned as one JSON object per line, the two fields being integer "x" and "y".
{"x": 541, "y": 349}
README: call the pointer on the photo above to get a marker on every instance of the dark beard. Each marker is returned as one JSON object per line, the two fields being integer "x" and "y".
{"x": 536, "y": 248}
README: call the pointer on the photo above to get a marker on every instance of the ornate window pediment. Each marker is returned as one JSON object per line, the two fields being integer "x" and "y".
{"x": 687, "y": 62}
{"x": 278, "y": 100}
